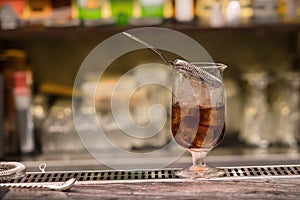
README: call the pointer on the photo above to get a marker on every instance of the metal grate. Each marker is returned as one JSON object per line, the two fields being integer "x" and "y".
{"x": 230, "y": 172}
{"x": 259, "y": 171}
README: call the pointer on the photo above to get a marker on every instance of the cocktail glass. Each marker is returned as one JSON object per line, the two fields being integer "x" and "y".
{"x": 198, "y": 116}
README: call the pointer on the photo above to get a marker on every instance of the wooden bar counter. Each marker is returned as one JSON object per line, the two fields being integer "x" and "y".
{"x": 255, "y": 188}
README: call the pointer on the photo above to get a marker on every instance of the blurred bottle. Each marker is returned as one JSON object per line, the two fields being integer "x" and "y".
{"x": 288, "y": 10}
{"x": 89, "y": 9}
{"x": 36, "y": 10}
{"x": 24, "y": 119}
{"x": 203, "y": 11}
{"x": 8, "y": 17}
{"x": 212, "y": 12}
{"x": 247, "y": 11}
{"x": 152, "y": 11}
{"x": 169, "y": 9}
{"x": 122, "y": 11}
{"x": 62, "y": 14}
{"x": 184, "y": 10}
{"x": 11, "y": 61}
{"x": 265, "y": 11}
{"x": 39, "y": 112}
{"x": 17, "y": 5}
{"x": 233, "y": 13}
{"x": 291, "y": 10}
{"x": 216, "y": 17}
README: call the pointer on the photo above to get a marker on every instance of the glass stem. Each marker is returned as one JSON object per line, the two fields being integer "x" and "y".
{"x": 199, "y": 158}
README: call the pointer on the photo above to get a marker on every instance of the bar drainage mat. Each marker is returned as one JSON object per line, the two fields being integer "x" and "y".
{"x": 111, "y": 175}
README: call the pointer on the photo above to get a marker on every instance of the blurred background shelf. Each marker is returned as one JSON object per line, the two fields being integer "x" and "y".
{"x": 100, "y": 31}
{"x": 50, "y": 49}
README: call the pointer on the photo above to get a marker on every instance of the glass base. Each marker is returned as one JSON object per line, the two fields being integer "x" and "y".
{"x": 194, "y": 172}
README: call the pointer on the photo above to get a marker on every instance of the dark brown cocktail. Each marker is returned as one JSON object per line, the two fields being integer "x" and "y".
{"x": 207, "y": 121}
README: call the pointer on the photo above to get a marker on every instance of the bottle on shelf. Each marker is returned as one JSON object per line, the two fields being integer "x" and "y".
{"x": 24, "y": 119}
{"x": 246, "y": 11}
{"x": 152, "y": 11}
{"x": 169, "y": 9}
{"x": 12, "y": 60}
{"x": 184, "y": 10}
{"x": 89, "y": 9}
{"x": 265, "y": 11}
{"x": 37, "y": 10}
{"x": 288, "y": 10}
{"x": 216, "y": 17}
{"x": 233, "y": 13}
{"x": 8, "y": 17}
{"x": 122, "y": 11}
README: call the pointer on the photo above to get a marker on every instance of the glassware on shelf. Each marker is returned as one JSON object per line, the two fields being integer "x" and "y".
{"x": 59, "y": 134}
{"x": 256, "y": 123}
{"x": 234, "y": 106}
{"x": 287, "y": 110}
{"x": 210, "y": 12}
{"x": 89, "y": 9}
{"x": 152, "y": 8}
{"x": 184, "y": 10}
{"x": 122, "y": 10}
{"x": 265, "y": 11}
{"x": 148, "y": 12}
{"x": 216, "y": 18}
{"x": 198, "y": 116}
{"x": 233, "y": 13}
{"x": 149, "y": 103}
{"x": 114, "y": 90}
{"x": 87, "y": 119}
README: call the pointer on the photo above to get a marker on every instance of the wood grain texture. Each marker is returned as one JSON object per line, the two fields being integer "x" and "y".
{"x": 202, "y": 189}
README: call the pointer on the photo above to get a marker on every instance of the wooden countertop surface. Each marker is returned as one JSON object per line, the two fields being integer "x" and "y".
{"x": 258, "y": 188}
